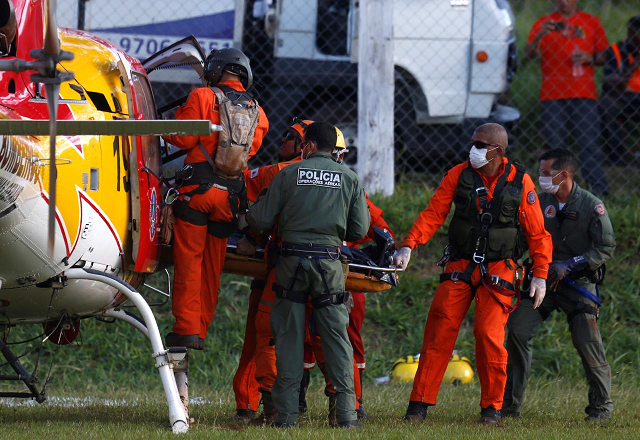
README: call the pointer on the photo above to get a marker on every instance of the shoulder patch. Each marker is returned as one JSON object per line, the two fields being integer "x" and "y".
{"x": 325, "y": 178}
{"x": 254, "y": 173}
{"x": 531, "y": 197}
{"x": 550, "y": 211}
{"x": 600, "y": 209}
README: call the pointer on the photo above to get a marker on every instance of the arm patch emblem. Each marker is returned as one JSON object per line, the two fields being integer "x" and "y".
{"x": 254, "y": 173}
{"x": 600, "y": 209}
{"x": 531, "y": 197}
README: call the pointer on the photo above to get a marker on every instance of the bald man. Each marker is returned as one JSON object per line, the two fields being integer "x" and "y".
{"x": 495, "y": 205}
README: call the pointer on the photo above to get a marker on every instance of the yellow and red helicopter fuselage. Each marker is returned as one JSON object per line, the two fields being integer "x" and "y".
{"x": 108, "y": 186}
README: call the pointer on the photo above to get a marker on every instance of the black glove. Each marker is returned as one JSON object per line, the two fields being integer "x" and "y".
{"x": 560, "y": 269}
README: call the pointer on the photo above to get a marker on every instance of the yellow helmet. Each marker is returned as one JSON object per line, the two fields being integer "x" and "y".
{"x": 340, "y": 143}
{"x": 404, "y": 369}
{"x": 459, "y": 371}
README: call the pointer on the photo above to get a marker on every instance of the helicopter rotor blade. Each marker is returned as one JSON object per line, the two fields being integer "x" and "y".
{"x": 52, "y": 90}
{"x": 51, "y": 44}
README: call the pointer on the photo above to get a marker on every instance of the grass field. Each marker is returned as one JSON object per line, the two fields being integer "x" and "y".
{"x": 553, "y": 411}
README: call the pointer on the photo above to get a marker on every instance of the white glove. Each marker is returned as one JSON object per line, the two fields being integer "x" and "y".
{"x": 537, "y": 291}
{"x": 401, "y": 258}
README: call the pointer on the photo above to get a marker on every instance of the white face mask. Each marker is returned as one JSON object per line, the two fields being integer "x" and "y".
{"x": 546, "y": 183}
{"x": 478, "y": 157}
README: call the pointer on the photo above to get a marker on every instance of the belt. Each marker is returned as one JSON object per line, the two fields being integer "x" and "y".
{"x": 310, "y": 251}
{"x": 457, "y": 275}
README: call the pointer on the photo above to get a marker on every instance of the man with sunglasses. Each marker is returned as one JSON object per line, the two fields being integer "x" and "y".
{"x": 583, "y": 241}
{"x": 495, "y": 206}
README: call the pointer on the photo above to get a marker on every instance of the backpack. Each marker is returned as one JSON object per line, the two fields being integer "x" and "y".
{"x": 239, "y": 115}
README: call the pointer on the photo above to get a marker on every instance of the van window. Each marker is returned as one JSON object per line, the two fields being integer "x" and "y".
{"x": 332, "y": 30}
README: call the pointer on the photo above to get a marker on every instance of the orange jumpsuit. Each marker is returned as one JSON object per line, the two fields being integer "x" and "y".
{"x": 245, "y": 385}
{"x": 199, "y": 257}
{"x": 452, "y": 299}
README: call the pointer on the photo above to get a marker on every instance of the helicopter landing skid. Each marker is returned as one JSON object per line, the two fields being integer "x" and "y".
{"x": 165, "y": 359}
{"x": 21, "y": 375}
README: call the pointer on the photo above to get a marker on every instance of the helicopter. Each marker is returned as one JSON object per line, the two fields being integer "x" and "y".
{"x": 77, "y": 244}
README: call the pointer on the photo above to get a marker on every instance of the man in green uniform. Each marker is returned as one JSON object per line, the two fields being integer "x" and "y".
{"x": 319, "y": 204}
{"x": 582, "y": 242}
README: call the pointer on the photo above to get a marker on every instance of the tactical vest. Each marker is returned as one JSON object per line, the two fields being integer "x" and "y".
{"x": 634, "y": 81}
{"x": 503, "y": 239}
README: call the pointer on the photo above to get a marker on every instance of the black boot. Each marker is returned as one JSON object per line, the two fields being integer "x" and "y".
{"x": 304, "y": 385}
{"x": 490, "y": 416}
{"x": 190, "y": 341}
{"x": 351, "y": 424}
{"x": 416, "y": 412}
{"x": 269, "y": 412}
{"x": 244, "y": 415}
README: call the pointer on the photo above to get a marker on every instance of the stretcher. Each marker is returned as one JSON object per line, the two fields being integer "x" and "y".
{"x": 360, "y": 278}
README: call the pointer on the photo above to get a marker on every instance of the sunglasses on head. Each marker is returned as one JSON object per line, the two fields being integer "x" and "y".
{"x": 298, "y": 121}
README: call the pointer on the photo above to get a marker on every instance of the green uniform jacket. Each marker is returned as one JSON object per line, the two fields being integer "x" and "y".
{"x": 581, "y": 228}
{"x": 320, "y": 202}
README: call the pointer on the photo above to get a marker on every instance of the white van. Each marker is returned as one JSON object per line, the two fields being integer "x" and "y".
{"x": 453, "y": 58}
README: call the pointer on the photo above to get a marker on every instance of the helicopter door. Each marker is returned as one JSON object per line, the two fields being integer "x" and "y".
{"x": 184, "y": 53}
{"x": 145, "y": 222}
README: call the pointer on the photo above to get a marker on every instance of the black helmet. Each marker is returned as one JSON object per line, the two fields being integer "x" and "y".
{"x": 231, "y": 60}
{"x": 8, "y": 26}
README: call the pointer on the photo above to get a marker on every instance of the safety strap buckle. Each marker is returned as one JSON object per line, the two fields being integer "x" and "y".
{"x": 322, "y": 301}
{"x": 495, "y": 279}
{"x": 455, "y": 276}
{"x": 478, "y": 258}
{"x": 482, "y": 193}
{"x": 486, "y": 218}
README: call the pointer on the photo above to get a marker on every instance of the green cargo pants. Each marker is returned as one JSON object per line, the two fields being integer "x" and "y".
{"x": 525, "y": 322}
{"x": 287, "y": 324}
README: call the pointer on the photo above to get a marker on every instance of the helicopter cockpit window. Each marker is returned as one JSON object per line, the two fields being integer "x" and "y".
{"x": 150, "y": 144}
{"x": 332, "y": 30}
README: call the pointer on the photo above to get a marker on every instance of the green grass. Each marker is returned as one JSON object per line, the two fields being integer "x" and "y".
{"x": 554, "y": 410}
{"x": 114, "y": 356}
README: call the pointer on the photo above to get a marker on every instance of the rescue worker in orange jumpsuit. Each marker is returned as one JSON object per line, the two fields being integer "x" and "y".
{"x": 245, "y": 385}
{"x": 495, "y": 202}
{"x": 204, "y": 207}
